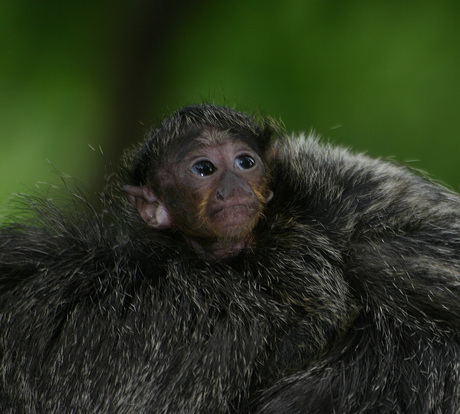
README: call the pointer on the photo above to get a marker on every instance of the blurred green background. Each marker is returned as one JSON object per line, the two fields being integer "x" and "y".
{"x": 79, "y": 81}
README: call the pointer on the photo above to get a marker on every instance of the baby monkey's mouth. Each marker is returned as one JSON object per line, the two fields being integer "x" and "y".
{"x": 235, "y": 212}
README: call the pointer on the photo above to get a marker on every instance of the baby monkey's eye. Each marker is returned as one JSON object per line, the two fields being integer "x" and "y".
{"x": 203, "y": 168}
{"x": 244, "y": 162}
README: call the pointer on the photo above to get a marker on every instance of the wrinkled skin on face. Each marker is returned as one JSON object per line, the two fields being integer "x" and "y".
{"x": 214, "y": 194}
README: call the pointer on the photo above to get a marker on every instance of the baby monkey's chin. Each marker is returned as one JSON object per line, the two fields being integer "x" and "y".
{"x": 226, "y": 243}
{"x": 221, "y": 250}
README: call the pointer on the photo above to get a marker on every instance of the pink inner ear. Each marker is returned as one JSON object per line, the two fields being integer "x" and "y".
{"x": 162, "y": 217}
{"x": 150, "y": 207}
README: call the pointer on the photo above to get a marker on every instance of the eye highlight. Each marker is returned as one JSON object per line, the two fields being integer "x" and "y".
{"x": 203, "y": 168}
{"x": 245, "y": 162}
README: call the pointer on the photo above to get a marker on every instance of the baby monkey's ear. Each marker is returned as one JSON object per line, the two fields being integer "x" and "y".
{"x": 150, "y": 207}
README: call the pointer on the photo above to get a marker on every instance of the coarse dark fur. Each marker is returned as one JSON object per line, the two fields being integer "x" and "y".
{"x": 349, "y": 302}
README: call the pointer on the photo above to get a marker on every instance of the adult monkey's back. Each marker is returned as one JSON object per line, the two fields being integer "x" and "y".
{"x": 234, "y": 268}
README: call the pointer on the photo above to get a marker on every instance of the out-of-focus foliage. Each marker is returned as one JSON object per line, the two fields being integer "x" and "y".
{"x": 380, "y": 77}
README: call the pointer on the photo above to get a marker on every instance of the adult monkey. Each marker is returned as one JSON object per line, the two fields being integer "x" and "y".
{"x": 333, "y": 287}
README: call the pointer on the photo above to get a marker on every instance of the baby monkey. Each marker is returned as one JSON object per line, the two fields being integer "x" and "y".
{"x": 213, "y": 190}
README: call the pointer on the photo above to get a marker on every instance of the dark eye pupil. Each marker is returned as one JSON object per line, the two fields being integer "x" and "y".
{"x": 203, "y": 168}
{"x": 245, "y": 162}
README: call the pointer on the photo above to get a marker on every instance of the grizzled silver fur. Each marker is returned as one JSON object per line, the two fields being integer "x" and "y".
{"x": 349, "y": 303}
